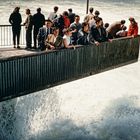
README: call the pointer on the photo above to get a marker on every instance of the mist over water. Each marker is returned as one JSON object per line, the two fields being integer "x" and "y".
{"x": 105, "y": 106}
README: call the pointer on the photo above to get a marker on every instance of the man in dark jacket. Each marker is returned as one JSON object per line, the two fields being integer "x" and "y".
{"x": 43, "y": 34}
{"x": 71, "y": 15}
{"x": 15, "y": 20}
{"x": 98, "y": 33}
{"x": 83, "y": 34}
{"x": 38, "y": 22}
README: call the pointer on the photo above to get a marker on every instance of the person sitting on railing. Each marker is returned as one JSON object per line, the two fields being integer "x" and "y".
{"x": 54, "y": 41}
{"x": 122, "y": 33}
{"x": 133, "y": 28}
{"x": 43, "y": 34}
{"x": 114, "y": 28}
{"x": 67, "y": 38}
{"x": 83, "y": 34}
{"x": 98, "y": 33}
{"x": 15, "y": 20}
{"x": 28, "y": 26}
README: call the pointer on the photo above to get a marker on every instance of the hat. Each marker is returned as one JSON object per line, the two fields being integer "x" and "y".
{"x": 48, "y": 20}
{"x": 131, "y": 19}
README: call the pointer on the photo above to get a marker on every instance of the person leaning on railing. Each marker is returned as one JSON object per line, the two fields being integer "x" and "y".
{"x": 133, "y": 28}
{"x": 43, "y": 34}
{"x": 15, "y": 20}
{"x": 54, "y": 40}
{"x": 83, "y": 34}
{"x": 98, "y": 33}
{"x": 67, "y": 43}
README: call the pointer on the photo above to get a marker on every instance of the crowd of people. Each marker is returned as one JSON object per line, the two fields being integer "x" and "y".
{"x": 66, "y": 30}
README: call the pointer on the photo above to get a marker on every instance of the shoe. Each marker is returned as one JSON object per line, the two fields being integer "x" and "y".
{"x": 34, "y": 47}
{"x": 14, "y": 46}
{"x": 18, "y": 47}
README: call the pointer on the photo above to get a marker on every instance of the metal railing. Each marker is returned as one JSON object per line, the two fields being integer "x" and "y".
{"x": 25, "y": 74}
{"x": 6, "y": 36}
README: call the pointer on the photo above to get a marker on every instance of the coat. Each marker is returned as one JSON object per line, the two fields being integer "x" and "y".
{"x": 95, "y": 35}
{"x": 56, "y": 42}
{"x": 114, "y": 28}
{"x": 42, "y": 36}
{"x": 133, "y": 30}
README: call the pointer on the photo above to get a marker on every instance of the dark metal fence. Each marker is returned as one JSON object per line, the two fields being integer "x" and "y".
{"x": 6, "y": 36}
{"x": 25, "y": 74}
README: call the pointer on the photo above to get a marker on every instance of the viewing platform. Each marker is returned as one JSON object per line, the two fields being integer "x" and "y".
{"x": 27, "y": 71}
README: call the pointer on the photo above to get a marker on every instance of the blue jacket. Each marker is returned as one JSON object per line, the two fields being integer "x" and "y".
{"x": 42, "y": 36}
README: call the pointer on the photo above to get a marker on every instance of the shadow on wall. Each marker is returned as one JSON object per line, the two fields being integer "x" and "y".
{"x": 120, "y": 121}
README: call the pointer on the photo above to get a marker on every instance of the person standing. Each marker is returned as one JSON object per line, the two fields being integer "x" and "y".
{"x": 15, "y": 20}
{"x": 53, "y": 15}
{"x": 90, "y": 16}
{"x": 75, "y": 26}
{"x": 71, "y": 15}
{"x": 38, "y": 22}
{"x": 133, "y": 28}
{"x": 28, "y": 26}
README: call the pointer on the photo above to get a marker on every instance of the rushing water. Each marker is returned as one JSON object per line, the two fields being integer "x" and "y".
{"x": 101, "y": 107}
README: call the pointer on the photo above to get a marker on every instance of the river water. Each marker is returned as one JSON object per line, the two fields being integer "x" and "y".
{"x": 105, "y": 106}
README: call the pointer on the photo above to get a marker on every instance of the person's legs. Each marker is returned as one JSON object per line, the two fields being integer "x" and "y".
{"x": 28, "y": 38}
{"x": 35, "y": 36}
{"x": 14, "y": 38}
{"x": 18, "y": 38}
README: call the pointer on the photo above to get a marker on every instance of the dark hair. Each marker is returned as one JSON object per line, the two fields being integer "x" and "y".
{"x": 66, "y": 30}
{"x": 16, "y": 10}
{"x": 38, "y": 10}
{"x": 56, "y": 8}
{"x": 122, "y": 21}
{"x": 91, "y": 9}
{"x": 55, "y": 28}
{"x": 48, "y": 20}
{"x": 84, "y": 24}
{"x": 97, "y": 13}
{"x": 70, "y": 10}
{"x": 98, "y": 19}
{"x": 106, "y": 25}
{"x": 77, "y": 16}
{"x": 124, "y": 28}
{"x": 65, "y": 13}
{"x": 28, "y": 10}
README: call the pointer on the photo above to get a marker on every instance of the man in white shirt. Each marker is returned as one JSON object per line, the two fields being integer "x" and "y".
{"x": 53, "y": 15}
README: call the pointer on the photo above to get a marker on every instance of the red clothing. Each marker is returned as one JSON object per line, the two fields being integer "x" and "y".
{"x": 66, "y": 22}
{"x": 133, "y": 30}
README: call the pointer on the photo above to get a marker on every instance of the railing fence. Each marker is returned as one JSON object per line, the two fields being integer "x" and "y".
{"x": 6, "y": 36}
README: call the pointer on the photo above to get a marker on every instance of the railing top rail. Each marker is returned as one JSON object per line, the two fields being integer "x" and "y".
{"x": 52, "y": 51}
{"x": 8, "y": 25}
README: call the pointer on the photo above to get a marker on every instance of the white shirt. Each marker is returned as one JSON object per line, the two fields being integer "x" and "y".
{"x": 67, "y": 39}
{"x": 52, "y": 16}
